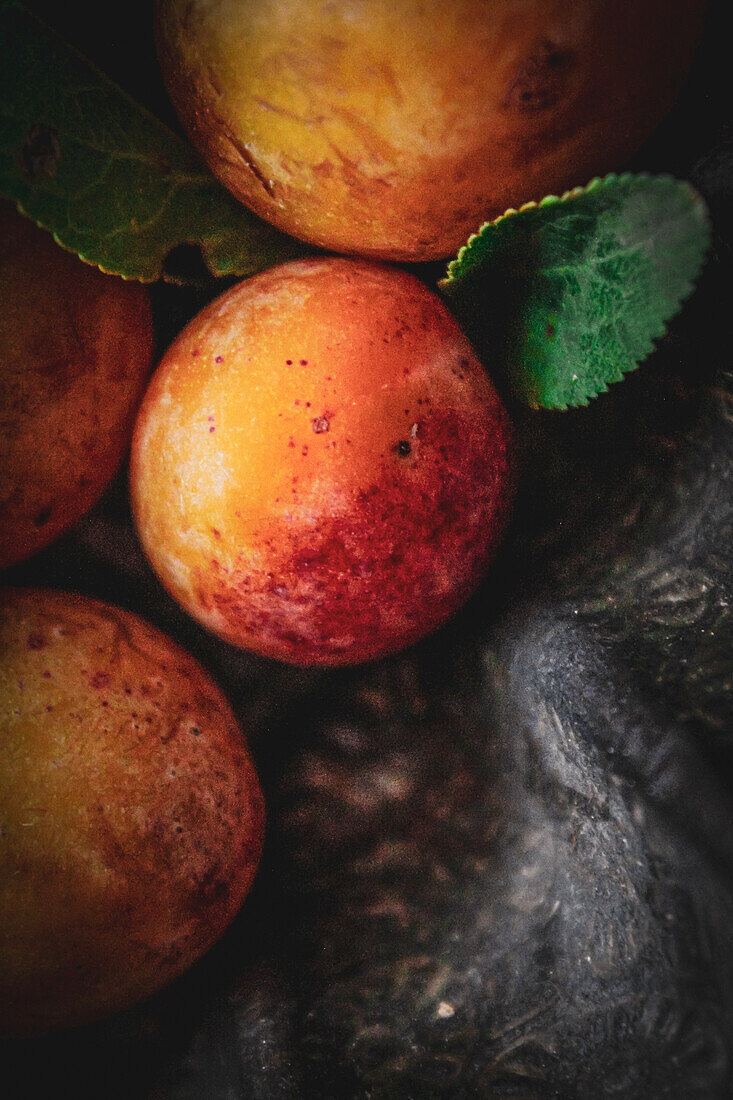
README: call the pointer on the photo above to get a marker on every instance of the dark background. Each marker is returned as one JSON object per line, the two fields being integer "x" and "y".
{"x": 527, "y": 816}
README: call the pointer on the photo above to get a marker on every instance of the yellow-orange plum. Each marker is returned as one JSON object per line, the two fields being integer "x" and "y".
{"x": 75, "y": 353}
{"x": 321, "y": 469}
{"x": 394, "y": 129}
{"x": 131, "y": 815}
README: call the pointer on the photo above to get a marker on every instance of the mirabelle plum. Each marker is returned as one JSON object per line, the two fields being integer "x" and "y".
{"x": 321, "y": 469}
{"x": 393, "y": 130}
{"x": 130, "y": 812}
{"x": 75, "y": 353}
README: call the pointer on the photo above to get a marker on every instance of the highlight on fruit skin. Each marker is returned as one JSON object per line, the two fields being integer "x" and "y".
{"x": 75, "y": 353}
{"x": 321, "y": 470}
{"x": 393, "y": 130}
{"x": 131, "y": 814}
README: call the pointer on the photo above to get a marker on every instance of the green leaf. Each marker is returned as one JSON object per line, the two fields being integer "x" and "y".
{"x": 107, "y": 178}
{"x": 572, "y": 292}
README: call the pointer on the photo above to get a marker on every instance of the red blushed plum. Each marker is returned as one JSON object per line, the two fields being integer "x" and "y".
{"x": 75, "y": 353}
{"x": 131, "y": 814}
{"x": 321, "y": 469}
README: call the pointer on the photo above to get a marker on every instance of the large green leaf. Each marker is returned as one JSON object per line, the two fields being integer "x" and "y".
{"x": 111, "y": 182}
{"x": 572, "y": 292}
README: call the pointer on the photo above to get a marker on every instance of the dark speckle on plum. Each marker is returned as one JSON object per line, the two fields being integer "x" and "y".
{"x": 36, "y": 641}
{"x": 43, "y": 517}
{"x": 219, "y": 359}
{"x": 403, "y": 448}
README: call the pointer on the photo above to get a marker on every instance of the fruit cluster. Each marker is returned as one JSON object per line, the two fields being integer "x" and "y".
{"x": 321, "y": 470}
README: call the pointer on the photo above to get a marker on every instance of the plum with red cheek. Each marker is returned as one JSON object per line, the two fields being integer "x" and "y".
{"x": 321, "y": 469}
{"x": 76, "y": 350}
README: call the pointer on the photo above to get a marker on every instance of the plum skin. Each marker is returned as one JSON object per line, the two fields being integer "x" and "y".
{"x": 130, "y": 811}
{"x": 76, "y": 350}
{"x": 321, "y": 470}
{"x": 393, "y": 130}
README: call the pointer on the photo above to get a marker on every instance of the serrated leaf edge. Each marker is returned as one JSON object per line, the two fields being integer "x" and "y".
{"x": 74, "y": 252}
{"x": 613, "y": 381}
{"x": 677, "y": 303}
{"x": 198, "y": 173}
{"x": 451, "y": 278}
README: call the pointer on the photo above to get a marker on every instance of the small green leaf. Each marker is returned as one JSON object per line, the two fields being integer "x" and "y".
{"x": 107, "y": 178}
{"x": 572, "y": 292}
